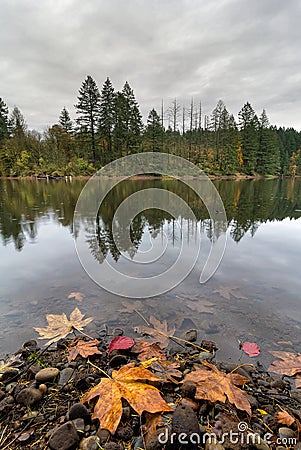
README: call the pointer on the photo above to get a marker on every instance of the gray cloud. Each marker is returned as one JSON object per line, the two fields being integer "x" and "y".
{"x": 236, "y": 50}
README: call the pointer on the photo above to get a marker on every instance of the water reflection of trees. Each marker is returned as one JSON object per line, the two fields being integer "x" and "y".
{"x": 24, "y": 205}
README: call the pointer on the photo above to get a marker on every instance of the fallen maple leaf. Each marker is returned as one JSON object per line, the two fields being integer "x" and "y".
{"x": 227, "y": 291}
{"x": 121, "y": 343}
{"x": 290, "y": 364}
{"x": 152, "y": 423}
{"x": 84, "y": 349}
{"x": 77, "y": 295}
{"x": 201, "y": 306}
{"x": 59, "y": 326}
{"x": 214, "y": 385}
{"x": 127, "y": 383}
{"x": 147, "y": 350}
{"x": 285, "y": 418}
{"x": 160, "y": 333}
{"x": 166, "y": 369}
{"x": 250, "y": 348}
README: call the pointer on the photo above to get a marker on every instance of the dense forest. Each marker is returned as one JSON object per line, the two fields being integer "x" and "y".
{"x": 109, "y": 125}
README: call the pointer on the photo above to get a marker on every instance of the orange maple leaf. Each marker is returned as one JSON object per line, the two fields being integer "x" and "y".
{"x": 285, "y": 418}
{"x": 290, "y": 364}
{"x": 127, "y": 383}
{"x": 214, "y": 385}
{"x": 84, "y": 349}
{"x": 160, "y": 333}
{"x": 148, "y": 350}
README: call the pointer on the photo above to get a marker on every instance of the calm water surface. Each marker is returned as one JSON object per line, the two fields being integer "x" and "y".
{"x": 254, "y": 295}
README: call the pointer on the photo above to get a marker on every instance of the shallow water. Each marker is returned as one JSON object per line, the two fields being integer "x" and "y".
{"x": 254, "y": 294}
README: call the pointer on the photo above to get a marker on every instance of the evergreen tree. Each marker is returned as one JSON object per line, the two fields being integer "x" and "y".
{"x": 268, "y": 158}
{"x": 17, "y": 124}
{"x": 65, "y": 121}
{"x": 153, "y": 132}
{"x": 132, "y": 120}
{"x": 107, "y": 115}
{"x": 88, "y": 110}
{"x": 248, "y": 124}
{"x": 3, "y": 120}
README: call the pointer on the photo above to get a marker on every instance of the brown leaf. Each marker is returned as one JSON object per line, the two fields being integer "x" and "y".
{"x": 167, "y": 369}
{"x": 59, "y": 326}
{"x": 290, "y": 364}
{"x": 227, "y": 291}
{"x": 127, "y": 383}
{"x": 130, "y": 307}
{"x": 77, "y": 295}
{"x": 152, "y": 423}
{"x": 84, "y": 349}
{"x": 285, "y": 418}
{"x": 214, "y": 385}
{"x": 148, "y": 350}
{"x": 298, "y": 381}
{"x": 160, "y": 333}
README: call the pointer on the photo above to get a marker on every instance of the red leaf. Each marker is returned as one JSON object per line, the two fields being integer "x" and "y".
{"x": 250, "y": 348}
{"x": 121, "y": 343}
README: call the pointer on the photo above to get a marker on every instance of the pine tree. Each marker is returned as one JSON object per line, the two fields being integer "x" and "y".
{"x": 248, "y": 124}
{"x": 153, "y": 132}
{"x": 268, "y": 159}
{"x": 107, "y": 115}
{"x": 3, "y": 120}
{"x": 88, "y": 110}
{"x": 17, "y": 124}
{"x": 65, "y": 121}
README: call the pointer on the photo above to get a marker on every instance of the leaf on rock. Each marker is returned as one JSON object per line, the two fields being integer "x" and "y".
{"x": 227, "y": 291}
{"x": 215, "y": 386}
{"x": 167, "y": 369}
{"x": 127, "y": 383}
{"x": 290, "y": 364}
{"x": 285, "y": 418}
{"x": 59, "y": 326}
{"x": 152, "y": 423}
{"x": 121, "y": 343}
{"x": 84, "y": 349}
{"x": 77, "y": 295}
{"x": 147, "y": 350}
{"x": 251, "y": 349}
{"x": 159, "y": 333}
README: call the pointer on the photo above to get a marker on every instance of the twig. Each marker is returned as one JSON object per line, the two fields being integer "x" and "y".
{"x": 98, "y": 368}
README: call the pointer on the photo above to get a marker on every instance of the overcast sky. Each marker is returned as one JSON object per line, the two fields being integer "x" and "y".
{"x": 234, "y": 50}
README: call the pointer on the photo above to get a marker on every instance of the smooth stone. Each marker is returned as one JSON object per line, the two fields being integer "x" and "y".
{"x": 79, "y": 424}
{"x": 47, "y": 374}
{"x": 104, "y": 435}
{"x": 90, "y": 443}
{"x": 65, "y": 376}
{"x": 124, "y": 433}
{"x": 261, "y": 445}
{"x": 189, "y": 389}
{"x": 28, "y": 396}
{"x": 191, "y": 335}
{"x": 2, "y": 394}
{"x": 285, "y": 432}
{"x": 78, "y": 411}
{"x": 64, "y": 437}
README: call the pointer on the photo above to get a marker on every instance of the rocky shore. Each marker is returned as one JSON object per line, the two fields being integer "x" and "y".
{"x": 43, "y": 393}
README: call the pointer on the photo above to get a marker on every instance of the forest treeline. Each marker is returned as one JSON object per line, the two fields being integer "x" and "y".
{"x": 109, "y": 125}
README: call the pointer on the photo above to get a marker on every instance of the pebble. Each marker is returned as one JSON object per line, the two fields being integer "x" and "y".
{"x": 189, "y": 389}
{"x": 64, "y": 437}
{"x": 191, "y": 335}
{"x": 79, "y": 411}
{"x": 124, "y": 433}
{"x": 104, "y": 435}
{"x": 117, "y": 360}
{"x": 2, "y": 394}
{"x": 89, "y": 443}
{"x": 65, "y": 376}
{"x": 112, "y": 446}
{"x": 79, "y": 425}
{"x": 261, "y": 445}
{"x": 286, "y": 433}
{"x": 28, "y": 396}
{"x": 43, "y": 388}
{"x": 47, "y": 374}
{"x": 191, "y": 403}
{"x": 9, "y": 375}
{"x": 185, "y": 421}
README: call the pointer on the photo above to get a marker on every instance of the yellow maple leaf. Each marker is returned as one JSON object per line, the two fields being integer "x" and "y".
{"x": 127, "y": 383}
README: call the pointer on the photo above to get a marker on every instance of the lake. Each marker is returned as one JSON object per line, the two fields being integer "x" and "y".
{"x": 254, "y": 294}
